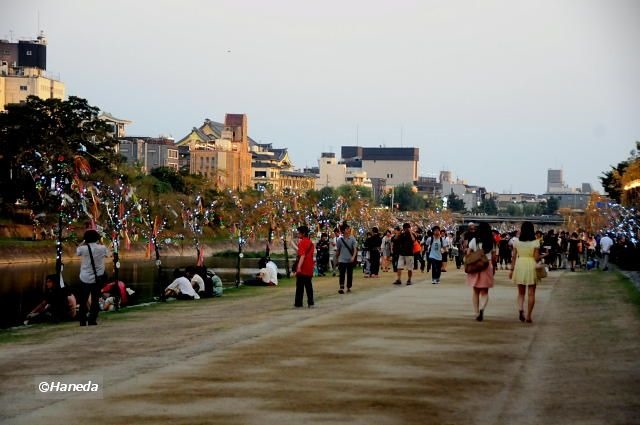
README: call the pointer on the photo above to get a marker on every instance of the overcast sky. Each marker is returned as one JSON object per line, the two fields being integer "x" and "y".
{"x": 496, "y": 91}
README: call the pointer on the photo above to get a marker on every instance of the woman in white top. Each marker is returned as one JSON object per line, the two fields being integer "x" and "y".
{"x": 93, "y": 254}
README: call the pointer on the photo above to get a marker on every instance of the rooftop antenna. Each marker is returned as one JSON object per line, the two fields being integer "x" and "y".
{"x": 401, "y": 135}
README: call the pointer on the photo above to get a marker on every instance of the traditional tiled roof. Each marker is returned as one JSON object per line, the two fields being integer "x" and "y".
{"x": 298, "y": 174}
{"x": 263, "y": 164}
{"x": 108, "y": 117}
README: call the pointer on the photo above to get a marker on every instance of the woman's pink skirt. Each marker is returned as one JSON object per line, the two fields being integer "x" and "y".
{"x": 484, "y": 279}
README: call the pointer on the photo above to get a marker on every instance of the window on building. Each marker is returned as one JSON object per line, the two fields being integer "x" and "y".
{"x": 262, "y": 174}
{"x": 24, "y": 88}
{"x": 29, "y": 53}
{"x": 172, "y": 153}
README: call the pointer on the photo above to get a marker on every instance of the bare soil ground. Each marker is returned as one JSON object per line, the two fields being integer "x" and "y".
{"x": 380, "y": 355}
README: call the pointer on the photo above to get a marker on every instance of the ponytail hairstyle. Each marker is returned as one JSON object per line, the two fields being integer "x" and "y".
{"x": 485, "y": 236}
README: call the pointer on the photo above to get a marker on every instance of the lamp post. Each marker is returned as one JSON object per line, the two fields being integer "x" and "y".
{"x": 240, "y": 256}
{"x": 393, "y": 193}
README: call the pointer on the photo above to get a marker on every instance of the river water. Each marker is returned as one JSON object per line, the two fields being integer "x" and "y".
{"x": 21, "y": 286}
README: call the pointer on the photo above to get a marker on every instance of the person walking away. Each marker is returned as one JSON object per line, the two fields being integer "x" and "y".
{"x": 304, "y": 271}
{"x": 374, "y": 243}
{"x": 322, "y": 256}
{"x": 526, "y": 253}
{"x": 436, "y": 245}
{"x": 93, "y": 254}
{"x": 332, "y": 251}
{"x": 386, "y": 251}
{"x": 418, "y": 251}
{"x": 405, "y": 253}
{"x": 481, "y": 281}
{"x": 426, "y": 243}
{"x": 505, "y": 252}
{"x": 446, "y": 250}
{"x": 575, "y": 249}
{"x": 347, "y": 253}
{"x": 605, "y": 249}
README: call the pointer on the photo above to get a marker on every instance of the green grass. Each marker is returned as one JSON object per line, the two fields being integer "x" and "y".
{"x": 632, "y": 290}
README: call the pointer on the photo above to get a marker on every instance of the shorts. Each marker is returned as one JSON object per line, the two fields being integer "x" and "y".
{"x": 405, "y": 262}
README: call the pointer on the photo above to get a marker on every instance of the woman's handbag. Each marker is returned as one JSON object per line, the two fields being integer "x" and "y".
{"x": 475, "y": 262}
{"x": 541, "y": 271}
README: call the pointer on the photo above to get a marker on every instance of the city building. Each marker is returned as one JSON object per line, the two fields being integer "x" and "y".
{"x": 472, "y": 196}
{"x": 23, "y": 73}
{"x": 429, "y": 186}
{"x": 297, "y": 181}
{"x": 572, "y": 201}
{"x": 396, "y": 165}
{"x": 117, "y": 124}
{"x": 555, "y": 181}
{"x": 332, "y": 173}
{"x": 503, "y": 200}
{"x": 218, "y": 152}
{"x": 149, "y": 153}
{"x": 268, "y": 166}
{"x": 206, "y": 151}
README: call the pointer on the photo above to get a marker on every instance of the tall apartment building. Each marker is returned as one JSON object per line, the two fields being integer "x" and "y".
{"x": 555, "y": 181}
{"x": 23, "y": 68}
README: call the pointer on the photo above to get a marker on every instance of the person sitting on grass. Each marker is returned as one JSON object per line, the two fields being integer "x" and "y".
{"x": 58, "y": 304}
{"x": 181, "y": 287}
{"x": 197, "y": 281}
{"x": 267, "y": 276}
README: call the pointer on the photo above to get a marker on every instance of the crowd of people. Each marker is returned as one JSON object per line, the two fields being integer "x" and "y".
{"x": 406, "y": 248}
{"x": 525, "y": 253}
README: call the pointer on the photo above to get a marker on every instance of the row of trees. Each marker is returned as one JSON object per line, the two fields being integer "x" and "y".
{"x": 59, "y": 158}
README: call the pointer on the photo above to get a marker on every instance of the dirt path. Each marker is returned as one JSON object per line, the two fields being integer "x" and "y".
{"x": 381, "y": 355}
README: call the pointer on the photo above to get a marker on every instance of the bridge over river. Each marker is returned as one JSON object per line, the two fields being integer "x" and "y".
{"x": 548, "y": 220}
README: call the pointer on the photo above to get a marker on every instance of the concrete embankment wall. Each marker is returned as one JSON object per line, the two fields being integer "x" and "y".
{"x": 45, "y": 252}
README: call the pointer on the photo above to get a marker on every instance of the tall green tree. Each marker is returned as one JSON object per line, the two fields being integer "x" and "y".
{"x": 405, "y": 198}
{"x": 487, "y": 206}
{"x": 48, "y": 142}
{"x": 455, "y": 204}
{"x": 551, "y": 206}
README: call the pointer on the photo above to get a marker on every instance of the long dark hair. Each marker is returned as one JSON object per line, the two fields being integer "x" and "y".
{"x": 484, "y": 235}
{"x": 527, "y": 232}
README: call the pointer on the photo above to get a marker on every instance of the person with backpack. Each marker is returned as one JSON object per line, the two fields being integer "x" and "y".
{"x": 346, "y": 254}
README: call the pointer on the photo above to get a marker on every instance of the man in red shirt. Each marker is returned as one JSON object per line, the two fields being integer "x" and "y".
{"x": 304, "y": 272}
